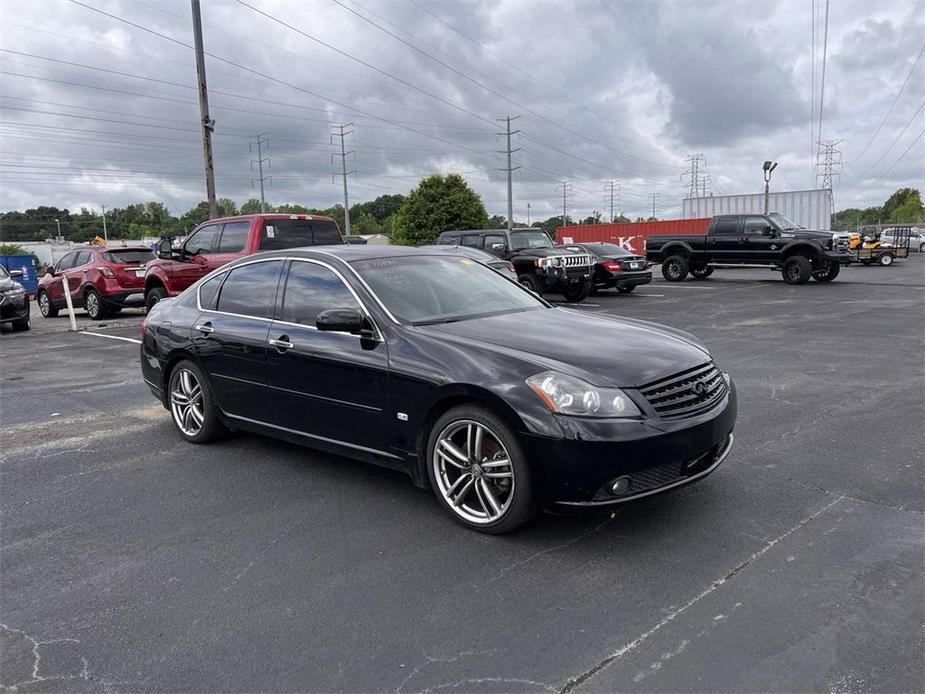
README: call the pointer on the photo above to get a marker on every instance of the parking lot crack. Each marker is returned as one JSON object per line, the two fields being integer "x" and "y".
{"x": 583, "y": 677}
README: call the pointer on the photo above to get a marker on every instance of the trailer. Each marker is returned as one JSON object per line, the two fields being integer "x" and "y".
{"x": 811, "y": 209}
{"x": 878, "y": 251}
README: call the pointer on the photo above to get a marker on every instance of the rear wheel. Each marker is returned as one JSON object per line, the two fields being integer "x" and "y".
{"x": 154, "y": 295}
{"x": 886, "y": 259}
{"x": 45, "y": 307}
{"x": 191, "y": 404}
{"x": 531, "y": 282}
{"x": 675, "y": 268}
{"x": 922, "y": 248}
{"x": 93, "y": 304}
{"x": 479, "y": 472}
{"x": 827, "y": 272}
{"x": 797, "y": 270}
{"x": 577, "y": 291}
{"x": 626, "y": 290}
{"x": 701, "y": 272}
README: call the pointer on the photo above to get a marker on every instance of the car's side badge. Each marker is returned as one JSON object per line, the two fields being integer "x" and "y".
{"x": 402, "y": 417}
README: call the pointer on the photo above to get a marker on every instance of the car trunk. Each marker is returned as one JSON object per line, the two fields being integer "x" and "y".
{"x": 128, "y": 265}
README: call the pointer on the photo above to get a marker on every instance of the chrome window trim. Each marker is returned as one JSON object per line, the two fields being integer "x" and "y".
{"x": 225, "y": 269}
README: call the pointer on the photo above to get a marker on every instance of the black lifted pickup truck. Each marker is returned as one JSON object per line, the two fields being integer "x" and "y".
{"x": 541, "y": 266}
{"x": 751, "y": 239}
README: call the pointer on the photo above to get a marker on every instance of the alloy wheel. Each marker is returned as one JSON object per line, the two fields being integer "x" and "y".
{"x": 673, "y": 269}
{"x": 44, "y": 304}
{"x": 473, "y": 472}
{"x": 793, "y": 271}
{"x": 93, "y": 305}
{"x": 186, "y": 403}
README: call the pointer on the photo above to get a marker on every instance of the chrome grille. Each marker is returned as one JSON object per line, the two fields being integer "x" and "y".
{"x": 576, "y": 260}
{"x": 688, "y": 393}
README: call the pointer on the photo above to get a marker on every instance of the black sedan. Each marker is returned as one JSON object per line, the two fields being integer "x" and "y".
{"x": 614, "y": 266}
{"x": 14, "y": 302}
{"x": 505, "y": 267}
{"x": 436, "y": 365}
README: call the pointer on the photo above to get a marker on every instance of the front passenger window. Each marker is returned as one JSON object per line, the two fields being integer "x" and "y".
{"x": 756, "y": 226}
{"x": 311, "y": 289}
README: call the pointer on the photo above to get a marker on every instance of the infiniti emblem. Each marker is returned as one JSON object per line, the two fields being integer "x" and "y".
{"x": 700, "y": 390}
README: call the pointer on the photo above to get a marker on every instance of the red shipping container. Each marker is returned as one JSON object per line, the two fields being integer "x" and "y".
{"x": 632, "y": 235}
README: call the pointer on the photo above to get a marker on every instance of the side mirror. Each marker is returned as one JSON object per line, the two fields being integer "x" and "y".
{"x": 340, "y": 320}
{"x": 50, "y": 272}
{"x": 497, "y": 246}
{"x": 15, "y": 273}
{"x": 165, "y": 249}
{"x": 770, "y": 231}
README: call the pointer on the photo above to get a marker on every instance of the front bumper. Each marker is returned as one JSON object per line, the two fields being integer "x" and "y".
{"x": 656, "y": 455}
{"x": 13, "y": 309}
{"x": 840, "y": 257}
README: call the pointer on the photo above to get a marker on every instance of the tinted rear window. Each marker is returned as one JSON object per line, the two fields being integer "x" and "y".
{"x": 128, "y": 256}
{"x": 608, "y": 249}
{"x": 279, "y": 234}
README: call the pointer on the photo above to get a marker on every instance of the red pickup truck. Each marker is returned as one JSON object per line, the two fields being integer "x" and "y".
{"x": 219, "y": 241}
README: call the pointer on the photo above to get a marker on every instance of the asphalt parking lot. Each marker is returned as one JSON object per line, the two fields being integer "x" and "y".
{"x": 132, "y": 561}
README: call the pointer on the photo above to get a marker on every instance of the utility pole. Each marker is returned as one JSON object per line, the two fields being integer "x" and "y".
{"x": 105, "y": 232}
{"x": 613, "y": 188}
{"x": 566, "y": 189}
{"x": 509, "y": 169}
{"x": 208, "y": 125}
{"x": 528, "y": 214}
{"x": 828, "y": 166}
{"x": 654, "y": 197}
{"x": 340, "y": 132}
{"x": 260, "y": 142}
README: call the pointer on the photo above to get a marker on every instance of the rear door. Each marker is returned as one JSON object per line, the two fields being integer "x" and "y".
{"x": 723, "y": 241}
{"x": 326, "y": 385}
{"x": 231, "y": 338}
{"x": 231, "y": 243}
{"x": 195, "y": 263}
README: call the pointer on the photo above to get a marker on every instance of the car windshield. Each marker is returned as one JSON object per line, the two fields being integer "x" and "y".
{"x": 782, "y": 222}
{"x": 529, "y": 239}
{"x": 427, "y": 289}
{"x": 3, "y": 273}
{"x": 132, "y": 255}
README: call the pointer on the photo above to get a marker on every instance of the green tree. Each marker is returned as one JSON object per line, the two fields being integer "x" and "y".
{"x": 497, "y": 221}
{"x": 252, "y": 206}
{"x": 364, "y": 224}
{"x": 226, "y": 207}
{"x": 899, "y": 199}
{"x": 910, "y": 210}
{"x": 293, "y": 208}
{"x": 439, "y": 203}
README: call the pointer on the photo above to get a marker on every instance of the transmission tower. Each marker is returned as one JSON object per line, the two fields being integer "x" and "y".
{"x": 698, "y": 180}
{"x": 341, "y": 132}
{"x": 612, "y": 192}
{"x": 828, "y": 166}
{"x": 654, "y": 197}
{"x": 260, "y": 143}
{"x": 566, "y": 191}
{"x": 509, "y": 168}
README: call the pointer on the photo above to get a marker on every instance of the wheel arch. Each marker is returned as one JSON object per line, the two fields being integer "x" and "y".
{"x": 807, "y": 250}
{"x": 173, "y": 358}
{"x": 676, "y": 248}
{"x": 154, "y": 281}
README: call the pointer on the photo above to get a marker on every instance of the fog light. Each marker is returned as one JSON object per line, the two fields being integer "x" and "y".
{"x": 620, "y": 486}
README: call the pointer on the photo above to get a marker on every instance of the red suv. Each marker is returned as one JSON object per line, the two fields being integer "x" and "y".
{"x": 219, "y": 241}
{"x": 101, "y": 280}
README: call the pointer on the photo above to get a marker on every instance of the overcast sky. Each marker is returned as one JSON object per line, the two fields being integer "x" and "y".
{"x": 100, "y": 111}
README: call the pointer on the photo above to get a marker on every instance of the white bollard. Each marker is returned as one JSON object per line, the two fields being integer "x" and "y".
{"x": 70, "y": 304}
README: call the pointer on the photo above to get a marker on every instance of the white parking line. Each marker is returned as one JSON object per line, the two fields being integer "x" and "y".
{"x": 112, "y": 337}
{"x": 676, "y": 286}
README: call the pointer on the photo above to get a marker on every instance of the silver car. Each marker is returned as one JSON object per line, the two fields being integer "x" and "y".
{"x": 916, "y": 239}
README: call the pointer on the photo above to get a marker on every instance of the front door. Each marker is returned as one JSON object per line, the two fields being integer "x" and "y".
{"x": 231, "y": 340}
{"x": 760, "y": 240}
{"x": 56, "y": 286}
{"x": 194, "y": 263}
{"x": 325, "y": 385}
{"x": 76, "y": 276}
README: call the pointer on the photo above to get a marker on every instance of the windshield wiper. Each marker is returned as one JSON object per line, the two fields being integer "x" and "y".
{"x": 437, "y": 321}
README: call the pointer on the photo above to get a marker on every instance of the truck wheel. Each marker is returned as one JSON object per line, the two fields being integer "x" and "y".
{"x": 577, "y": 291}
{"x": 531, "y": 282}
{"x": 797, "y": 270}
{"x": 886, "y": 259}
{"x": 675, "y": 268}
{"x": 153, "y": 296}
{"x": 701, "y": 272}
{"x": 827, "y": 273}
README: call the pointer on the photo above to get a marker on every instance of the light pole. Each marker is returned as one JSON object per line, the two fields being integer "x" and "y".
{"x": 768, "y": 167}
{"x": 59, "y": 228}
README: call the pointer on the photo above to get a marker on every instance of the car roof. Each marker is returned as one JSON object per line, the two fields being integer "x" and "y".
{"x": 462, "y": 250}
{"x": 349, "y": 253}
{"x": 270, "y": 215}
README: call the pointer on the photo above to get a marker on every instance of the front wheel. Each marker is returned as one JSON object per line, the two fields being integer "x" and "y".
{"x": 675, "y": 268}
{"x": 153, "y": 296}
{"x": 479, "y": 472}
{"x": 191, "y": 404}
{"x": 886, "y": 259}
{"x": 577, "y": 291}
{"x": 701, "y": 272}
{"x": 827, "y": 272}
{"x": 797, "y": 270}
{"x": 45, "y": 306}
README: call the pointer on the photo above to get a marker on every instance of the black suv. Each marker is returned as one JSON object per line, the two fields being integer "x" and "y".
{"x": 540, "y": 265}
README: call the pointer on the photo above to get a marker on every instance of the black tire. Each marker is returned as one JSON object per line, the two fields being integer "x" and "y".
{"x": 922, "y": 248}
{"x": 45, "y": 306}
{"x": 886, "y": 259}
{"x": 577, "y": 292}
{"x": 827, "y": 273}
{"x": 211, "y": 426}
{"x": 797, "y": 270}
{"x": 531, "y": 282}
{"x": 21, "y": 325}
{"x": 675, "y": 268}
{"x": 154, "y": 295}
{"x": 93, "y": 305}
{"x": 519, "y": 505}
{"x": 626, "y": 290}
{"x": 701, "y": 272}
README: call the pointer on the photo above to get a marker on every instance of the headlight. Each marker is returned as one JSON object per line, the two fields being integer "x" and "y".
{"x": 15, "y": 292}
{"x": 569, "y": 395}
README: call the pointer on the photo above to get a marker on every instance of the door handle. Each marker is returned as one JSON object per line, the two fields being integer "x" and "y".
{"x": 282, "y": 344}
{"x": 205, "y": 327}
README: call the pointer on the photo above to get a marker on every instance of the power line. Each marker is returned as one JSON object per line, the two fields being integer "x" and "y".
{"x": 825, "y": 45}
{"x": 892, "y": 105}
{"x": 509, "y": 169}
{"x": 654, "y": 198}
{"x": 898, "y": 159}
{"x": 566, "y": 190}
{"x": 829, "y": 166}
{"x": 261, "y": 141}
{"x": 895, "y": 140}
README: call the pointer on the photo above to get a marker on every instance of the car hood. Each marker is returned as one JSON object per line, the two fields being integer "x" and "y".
{"x": 604, "y": 351}
{"x": 7, "y": 283}
{"x": 544, "y": 252}
{"x": 806, "y": 234}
